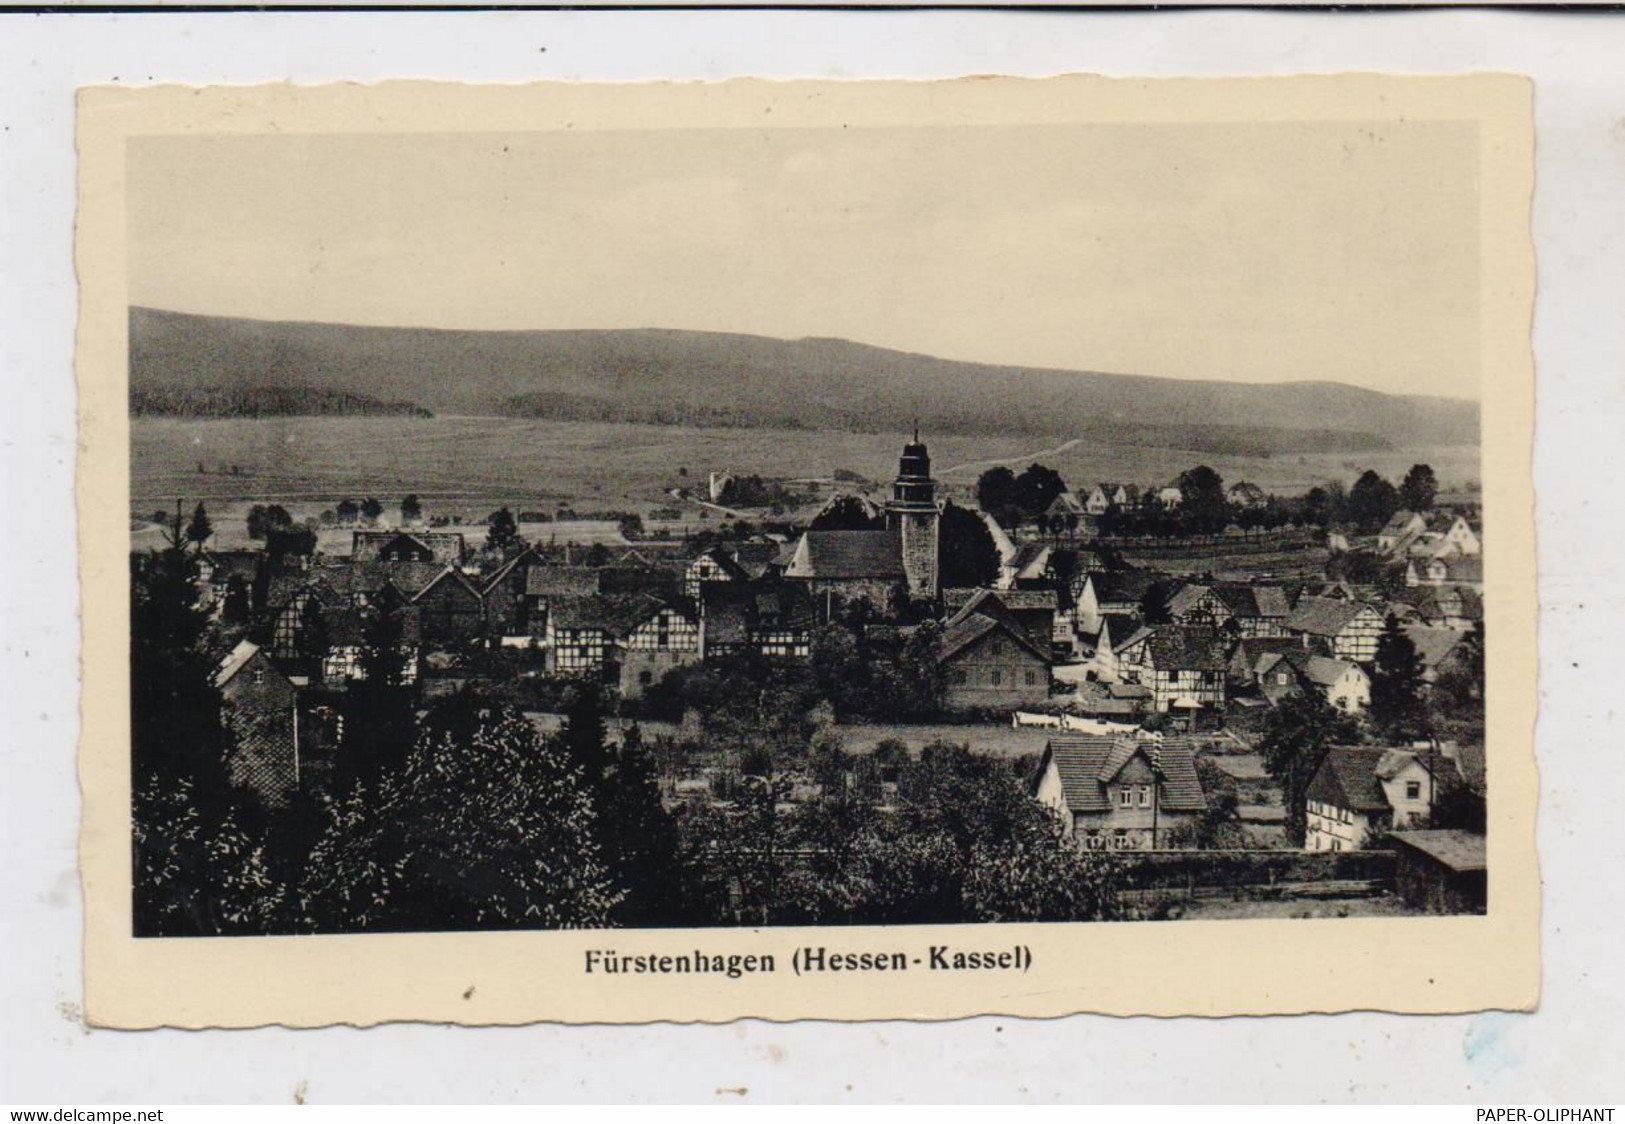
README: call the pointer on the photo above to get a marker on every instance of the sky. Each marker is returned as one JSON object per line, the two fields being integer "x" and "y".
{"x": 1242, "y": 252}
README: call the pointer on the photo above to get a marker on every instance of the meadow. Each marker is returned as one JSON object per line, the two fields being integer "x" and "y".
{"x": 468, "y": 465}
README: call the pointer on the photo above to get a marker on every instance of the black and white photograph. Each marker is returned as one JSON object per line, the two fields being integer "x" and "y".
{"x": 805, "y": 526}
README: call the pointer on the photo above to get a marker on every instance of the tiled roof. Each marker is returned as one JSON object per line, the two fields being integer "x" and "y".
{"x": 1324, "y": 672}
{"x": 1324, "y": 616}
{"x": 1123, "y": 585}
{"x": 735, "y": 610}
{"x": 232, "y": 664}
{"x": 1082, "y": 761}
{"x": 1172, "y": 648}
{"x": 1433, "y": 645}
{"x": 1347, "y": 778}
{"x": 560, "y": 581}
{"x": 835, "y": 555}
{"x": 616, "y": 615}
{"x": 444, "y": 546}
{"x": 1186, "y": 599}
{"x": 1461, "y": 851}
{"x": 1253, "y": 600}
{"x": 977, "y": 620}
{"x": 349, "y": 579}
{"x": 1400, "y": 520}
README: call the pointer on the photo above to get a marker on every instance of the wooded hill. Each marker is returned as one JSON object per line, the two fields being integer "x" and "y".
{"x": 676, "y": 377}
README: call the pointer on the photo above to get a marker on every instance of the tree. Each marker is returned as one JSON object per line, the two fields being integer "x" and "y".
{"x": 371, "y": 509}
{"x": 640, "y": 841}
{"x": 481, "y": 828}
{"x": 1202, "y": 500}
{"x": 199, "y": 529}
{"x": 1036, "y": 488}
{"x": 347, "y": 511}
{"x": 846, "y": 513}
{"x": 1154, "y": 603}
{"x": 235, "y": 609}
{"x": 1419, "y": 488}
{"x": 597, "y": 556}
{"x": 263, "y": 519}
{"x": 378, "y": 703}
{"x": 411, "y": 509}
{"x": 1372, "y": 501}
{"x": 1297, "y": 735}
{"x": 1396, "y": 685}
{"x": 996, "y": 492}
{"x": 502, "y": 531}
{"x": 583, "y": 735}
{"x": 631, "y": 526}
{"x": 966, "y": 554}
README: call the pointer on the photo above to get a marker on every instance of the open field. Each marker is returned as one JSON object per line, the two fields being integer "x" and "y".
{"x": 468, "y": 465}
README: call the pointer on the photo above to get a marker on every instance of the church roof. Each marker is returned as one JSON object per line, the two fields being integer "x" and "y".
{"x": 836, "y": 555}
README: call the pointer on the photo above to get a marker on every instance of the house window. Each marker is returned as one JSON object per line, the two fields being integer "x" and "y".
{"x": 1032, "y": 678}
{"x": 1094, "y": 841}
{"x": 1413, "y": 790}
{"x": 961, "y": 678}
{"x": 259, "y": 675}
{"x": 1145, "y": 796}
{"x": 996, "y": 678}
{"x": 1337, "y": 844}
{"x": 1125, "y": 796}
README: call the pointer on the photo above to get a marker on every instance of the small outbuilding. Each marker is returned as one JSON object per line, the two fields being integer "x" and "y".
{"x": 1441, "y": 871}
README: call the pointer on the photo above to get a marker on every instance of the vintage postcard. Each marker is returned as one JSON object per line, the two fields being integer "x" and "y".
{"x": 615, "y": 553}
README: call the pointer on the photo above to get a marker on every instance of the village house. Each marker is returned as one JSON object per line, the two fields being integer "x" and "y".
{"x": 1346, "y": 630}
{"x": 452, "y": 611}
{"x": 507, "y": 609}
{"x": 1183, "y": 667}
{"x": 1120, "y": 793}
{"x": 1361, "y": 792}
{"x": 1437, "y": 648}
{"x": 222, "y": 571}
{"x": 1466, "y": 571}
{"x": 547, "y": 585}
{"x": 345, "y": 633}
{"x": 1033, "y": 609}
{"x": 1068, "y": 505}
{"x": 1112, "y": 591}
{"x": 1461, "y": 535}
{"x": 260, "y": 707}
{"x": 655, "y": 637}
{"x": 1104, "y": 497}
{"x": 1441, "y": 871}
{"x": 1116, "y": 629}
{"x": 714, "y": 565}
{"x": 1281, "y": 675}
{"x": 1007, "y": 550}
{"x": 1401, "y": 529}
{"x": 991, "y": 662}
{"x": 444, "y": 547}
{"x": 1170, "y": 496}
{"x": 767, "y": 616}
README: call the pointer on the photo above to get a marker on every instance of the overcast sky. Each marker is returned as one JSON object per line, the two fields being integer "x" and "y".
{"x": 1261, "y": 253}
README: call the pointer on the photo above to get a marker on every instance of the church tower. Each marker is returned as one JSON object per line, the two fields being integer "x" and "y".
{"x": 913, "y": 516}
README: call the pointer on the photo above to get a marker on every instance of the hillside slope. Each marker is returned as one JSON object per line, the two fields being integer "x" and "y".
{"x": 707, "y": 378}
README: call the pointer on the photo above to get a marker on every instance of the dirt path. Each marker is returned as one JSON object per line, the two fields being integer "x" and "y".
{"x": 1055, "y": 452}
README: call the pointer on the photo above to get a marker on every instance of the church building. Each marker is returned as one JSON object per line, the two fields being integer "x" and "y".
{"x": 878, "y": 565}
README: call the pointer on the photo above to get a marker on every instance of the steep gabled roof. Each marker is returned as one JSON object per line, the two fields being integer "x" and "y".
{"x": 233, "y": 663}
{"x": 1324, "y": 672}
{"x": 615, "y": 614}
{"x": 1087, "y": 763}
{"x": 1433, "y": 645}
{"x": 560, "y": 581}
{"x": 451, "y": 574}
{"x": 838, "y": 555}
{"x": 1118, "y": 586}
{"x": 1347, "y": 778}
{"x": 968, "y": 628}
{"x": 1325, "y": 616}
{"x": 1253, "y": 601}
{"x": 1172, "y": 648}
